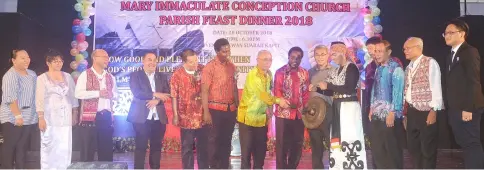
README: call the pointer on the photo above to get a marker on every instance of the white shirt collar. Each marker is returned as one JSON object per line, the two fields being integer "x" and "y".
{"x": 97, "y": 74}
{"x": 150, "y": 75}
{"x": 456, "y": 48}
{"x": 415, "y": 63}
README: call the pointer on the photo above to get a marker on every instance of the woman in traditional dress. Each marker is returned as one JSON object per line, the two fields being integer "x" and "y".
{"x": 57, "y": 109}
{"x": 347, "y": 138}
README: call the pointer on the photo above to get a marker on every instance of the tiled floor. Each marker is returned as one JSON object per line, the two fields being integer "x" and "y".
{"x": 447, "y": 159}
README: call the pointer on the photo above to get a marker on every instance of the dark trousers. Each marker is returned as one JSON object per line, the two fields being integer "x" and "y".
{"x": 365, "y": 110}
{"x": 386, "y": 146}
{"x": 317, "y": 138}
{"x": 422, "y": 139}
{"x": 15, "y": 144}
{"x": 188, "y": 137}
{"x": 253, "y": 144}
{"x": 289, "y": 142}
{"x": 152, "y": 131}
{"x": 220, "y": 138}
{"x": 97, "y": 135}
{"x": 467, "y": 135}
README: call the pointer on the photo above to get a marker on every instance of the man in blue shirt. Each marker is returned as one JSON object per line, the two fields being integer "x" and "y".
{"x": 386, "y": 110}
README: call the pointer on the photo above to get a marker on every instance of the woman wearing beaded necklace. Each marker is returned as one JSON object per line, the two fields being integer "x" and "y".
{"x": 57, "y": 110}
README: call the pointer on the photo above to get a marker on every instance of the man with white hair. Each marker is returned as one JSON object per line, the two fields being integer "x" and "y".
{"x": 423, "y": 94}
{"x": 255, "y": 111}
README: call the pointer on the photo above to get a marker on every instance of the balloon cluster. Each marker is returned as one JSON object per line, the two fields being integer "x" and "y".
{"x": 80, "y": 28}
{"x": 371, "y": 16}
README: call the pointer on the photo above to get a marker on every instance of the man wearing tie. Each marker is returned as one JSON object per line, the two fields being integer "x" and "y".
{"x": 147, "y": 112}
{"x": 464, "y": 95}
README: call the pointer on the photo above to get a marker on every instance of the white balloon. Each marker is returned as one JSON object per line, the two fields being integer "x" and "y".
{"x": 78, "y": 7}
{"x": 92, "y": 11}
{"x": 85, "y": 23}
{"x": 87, "y": 20}
{"x": 378, "y": 29}
{"x": 372, "y": 3}
{"x": 375, "y": 11}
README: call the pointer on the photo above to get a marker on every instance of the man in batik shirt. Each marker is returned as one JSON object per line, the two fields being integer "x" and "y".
{"x": 291, "y": 83}
{"x": 255, "y": 111}
{"x": 386, "y": 110}
{"x": 219, "y": 101}
{"x": 370, "y": 75}
{"x": 185, "y": 87}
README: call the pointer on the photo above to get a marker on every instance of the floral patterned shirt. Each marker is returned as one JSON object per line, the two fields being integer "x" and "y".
{"x": 292, "y": 85}
{"x": 221, "y": 79}
{"x": 186, "y": 88}
{"x": 387, "y": 91}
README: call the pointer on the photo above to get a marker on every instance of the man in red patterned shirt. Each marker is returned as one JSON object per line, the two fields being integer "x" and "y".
{"x": 291, "y": 83}
{"x": 185, "y": 91}
{"x": 219, "y": 101}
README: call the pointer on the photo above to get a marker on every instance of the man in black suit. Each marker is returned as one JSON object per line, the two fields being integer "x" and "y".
{"x": 465, "y": 101}
{"x": 147, "y": 112}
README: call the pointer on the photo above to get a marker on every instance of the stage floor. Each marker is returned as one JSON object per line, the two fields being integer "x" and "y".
{"x": 447, "y": 159}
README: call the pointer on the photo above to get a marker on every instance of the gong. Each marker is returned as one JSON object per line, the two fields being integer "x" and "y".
{"x": 314, "y": 113}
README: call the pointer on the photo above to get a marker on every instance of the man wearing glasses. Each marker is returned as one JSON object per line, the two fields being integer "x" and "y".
{"x": 464, "y": 95}
{"x": 97, "y": 90}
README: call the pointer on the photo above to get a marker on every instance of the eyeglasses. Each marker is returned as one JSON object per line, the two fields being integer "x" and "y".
{"x": 449, "y": 33}
{"x": 58, "y": 62}
{"x": 408, "y": 48}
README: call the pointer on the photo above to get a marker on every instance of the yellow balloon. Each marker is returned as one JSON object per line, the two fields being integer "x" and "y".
{"x": 368, "y": 17}
{"x": 85, "y": 13}
{"x": 79, "y": 57}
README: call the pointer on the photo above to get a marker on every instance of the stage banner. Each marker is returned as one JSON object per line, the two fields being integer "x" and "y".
{"x": 129, "y": 29}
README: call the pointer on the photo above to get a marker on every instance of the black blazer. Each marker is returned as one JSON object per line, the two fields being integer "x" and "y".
{"x": 142, "y": 92}
{"x": 463, "y": 85}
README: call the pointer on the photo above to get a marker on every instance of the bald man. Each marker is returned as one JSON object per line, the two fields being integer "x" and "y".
{"x": 423, "y": 93}
{"x": 255, "y": 111}
{"x": 97, "y": 90}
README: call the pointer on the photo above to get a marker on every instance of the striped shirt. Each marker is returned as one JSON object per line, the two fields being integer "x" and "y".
{"x": 21, "y": 88}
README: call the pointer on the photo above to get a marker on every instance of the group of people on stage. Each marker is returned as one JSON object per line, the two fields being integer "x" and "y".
{"x": 206, "y": 107}
{"x": 50, "y": 101}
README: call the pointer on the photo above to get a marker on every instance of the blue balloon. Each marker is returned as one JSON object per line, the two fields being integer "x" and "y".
{"x": 365, "y": 39}
{"x": 85, "y": 54}
{"x": 361, "y": 56}
{"x": 81, "y": 67}
{"x": 87, "y": 32}
{"x": 360, "y": 53}
{"x": 76, "y": 29}
{"x": 376, "y": 20}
